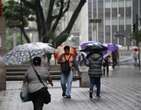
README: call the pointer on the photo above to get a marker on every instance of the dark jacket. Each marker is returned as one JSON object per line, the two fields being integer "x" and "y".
{"x": 94, "y": 62}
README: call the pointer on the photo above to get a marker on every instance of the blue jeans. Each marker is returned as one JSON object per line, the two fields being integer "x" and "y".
{"x": 66, "y": 83}
{"x": 95, "y": 81}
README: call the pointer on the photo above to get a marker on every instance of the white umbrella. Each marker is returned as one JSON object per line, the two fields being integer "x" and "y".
{"x": 23, "y": 53}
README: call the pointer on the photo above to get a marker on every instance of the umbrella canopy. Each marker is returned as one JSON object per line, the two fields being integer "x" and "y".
{"x": 92, "y": 46}
{"x": 112, "y": 47}
{"x": 23, "y": 53}
{"x": 60, "y": 50}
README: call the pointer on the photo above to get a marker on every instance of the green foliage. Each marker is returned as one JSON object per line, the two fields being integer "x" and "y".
{"x": 9, "y": 39}
{"x": 16, "y": 14}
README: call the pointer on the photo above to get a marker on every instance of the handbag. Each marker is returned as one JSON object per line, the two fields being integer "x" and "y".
{"x": 45, "y": 95}
{"x": 24, "y": 94}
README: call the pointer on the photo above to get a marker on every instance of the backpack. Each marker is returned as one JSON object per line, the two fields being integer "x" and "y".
{"x": 65, "y": 66}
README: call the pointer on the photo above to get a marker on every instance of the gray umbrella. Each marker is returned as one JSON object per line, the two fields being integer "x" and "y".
{"x": 23, "y": 53}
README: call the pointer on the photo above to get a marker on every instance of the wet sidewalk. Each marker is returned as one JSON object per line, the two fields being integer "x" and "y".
{"x": 120, "y": 91}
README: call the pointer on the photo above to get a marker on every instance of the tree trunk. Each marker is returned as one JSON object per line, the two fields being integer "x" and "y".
{"x": 70, "y": 24}
{"x": 40, "y": 20}
{"x": 25, "y": 35}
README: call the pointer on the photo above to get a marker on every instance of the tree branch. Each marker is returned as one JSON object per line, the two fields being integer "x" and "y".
{"x": 63, "y": 13}
{"x": 40, "y": 18}
{"x": 71, "y": 22}
{"x": 59, "y": 16}
{"x": 74, "y": 16}
{"x": 49, "y": 16}
{"x": 67, "y": 7}
{"x": 25, "y": 35}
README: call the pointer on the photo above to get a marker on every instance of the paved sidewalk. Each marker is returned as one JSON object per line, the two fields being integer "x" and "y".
{"x": 120, "y": 91}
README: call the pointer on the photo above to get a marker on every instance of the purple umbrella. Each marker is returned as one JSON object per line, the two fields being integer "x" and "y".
{"x": 112, "y": 47}
{"x": 92, "y": 46}
{"x": 83, "y": 45}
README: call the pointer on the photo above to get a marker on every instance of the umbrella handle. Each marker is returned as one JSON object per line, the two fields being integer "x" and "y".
{"x": 30, "y": 57}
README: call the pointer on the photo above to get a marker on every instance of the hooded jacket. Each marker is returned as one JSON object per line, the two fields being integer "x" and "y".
{"x": 94, "y": 62}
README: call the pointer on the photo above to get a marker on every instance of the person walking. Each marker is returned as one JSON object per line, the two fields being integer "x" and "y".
{"x": 94, "y": 62}
{"x": 114, "y": 60}
{"x": 106, "y": 62}
{"x": 35, "y": 87}
{"x": 68, "y": 63}
{"x": 135, "y": 56}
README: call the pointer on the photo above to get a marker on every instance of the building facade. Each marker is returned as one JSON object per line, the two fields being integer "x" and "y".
{"x": 112, "y": 20}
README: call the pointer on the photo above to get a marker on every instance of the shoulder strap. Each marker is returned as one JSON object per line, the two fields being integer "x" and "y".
{"x": 38, "y": 76}
{"x": 68, "y": 58}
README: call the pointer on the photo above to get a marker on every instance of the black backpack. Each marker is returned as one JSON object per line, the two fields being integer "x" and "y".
{"x": 65, "y": 66}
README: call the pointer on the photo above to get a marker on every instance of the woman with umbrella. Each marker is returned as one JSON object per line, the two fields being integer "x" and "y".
{"x": 94, "y": 61}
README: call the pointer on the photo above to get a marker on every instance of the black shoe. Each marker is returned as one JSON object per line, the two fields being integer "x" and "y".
{"x": 98, "y": 96}
{"x": 63, "y": 94}
{"x": 68, "y": 97}
{"x": 91, "y": 95}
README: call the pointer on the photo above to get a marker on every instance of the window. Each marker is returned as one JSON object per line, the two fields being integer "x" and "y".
{"x": 107, "y": 0}
{"x": 107, "y": 33}
{"x": 100, "y": 32}
{"x": 128, "y": 28}
{"x": 114, "y": 30}
{"x": 114, "y": 12}
{"x": 114, "y": 0}
{"x": 121, "y": 12}
{"x": 128, "y": 12}
{"x": 107, "y": 12}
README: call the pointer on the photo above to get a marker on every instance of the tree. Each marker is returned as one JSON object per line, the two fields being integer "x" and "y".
{"x": 15, "y": 17}
{"x": 48, "y": 19}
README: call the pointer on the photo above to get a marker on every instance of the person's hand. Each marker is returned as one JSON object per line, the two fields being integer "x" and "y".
{"x": 50, "y": 81}
{"x": 79, "y": 73}
{"x": 51, "y": 84}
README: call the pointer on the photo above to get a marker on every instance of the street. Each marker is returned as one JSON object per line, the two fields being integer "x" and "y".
{"x": 120, "y": 91}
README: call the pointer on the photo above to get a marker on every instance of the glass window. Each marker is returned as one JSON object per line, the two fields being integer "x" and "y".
{"x": 121, "y": 38}
{"x": 114, "y": 0}
{"x": 107, "y": 34}
{"x": 128, "y": 29}
{"x": 100, "y": 32}
{"x": 107, "y": 12}
{"x": 121, "y": 12}
{"x": 121, "y": 28}
{"x": 114, "y": 12}
{"x": 90, "y": 32}
{"x": 114, "y": 30}
{"x": 128, "y": 12}
{"x": 107, "y": 0}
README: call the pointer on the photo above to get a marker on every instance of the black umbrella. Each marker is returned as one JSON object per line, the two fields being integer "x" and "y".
{"x": 96, "y": 47}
